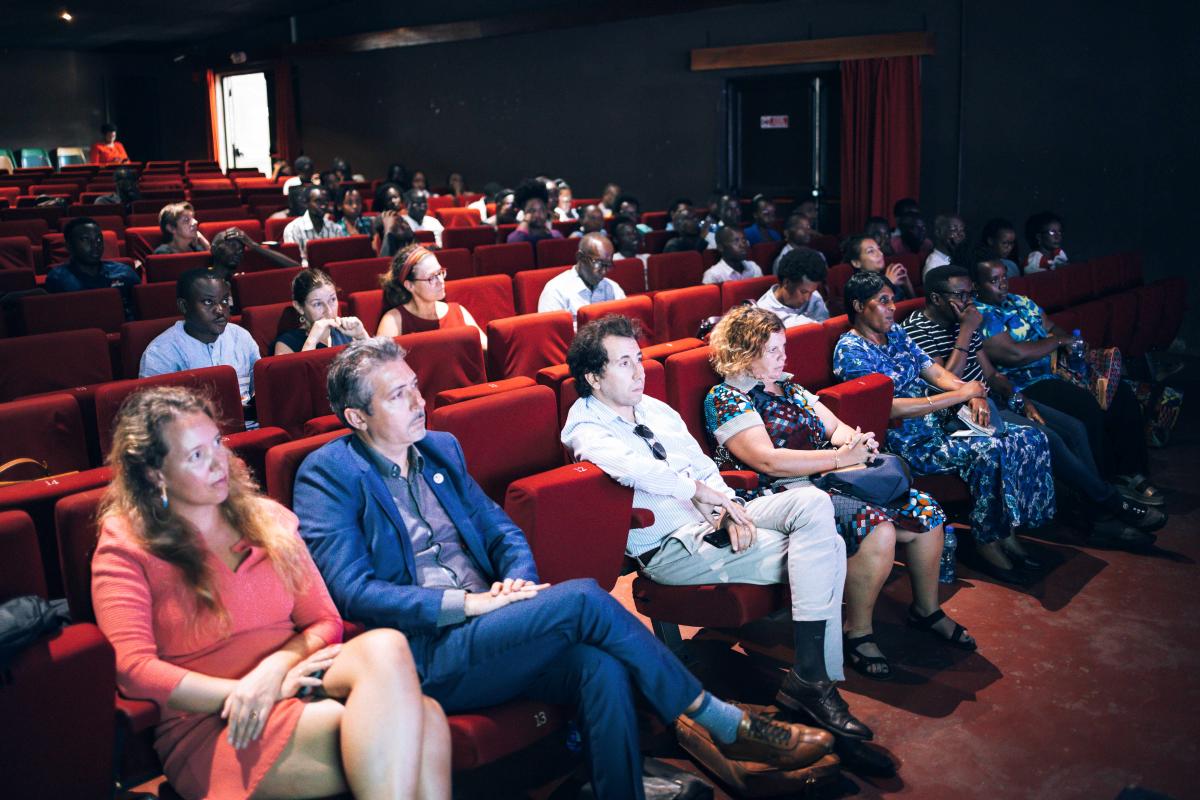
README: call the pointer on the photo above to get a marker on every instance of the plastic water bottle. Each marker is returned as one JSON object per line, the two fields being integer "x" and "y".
{"x": 946, "y": 571}
{"x": 1075, "y": 355}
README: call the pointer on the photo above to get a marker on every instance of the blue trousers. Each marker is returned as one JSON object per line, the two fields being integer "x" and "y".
{"x": 572, "y": 645}
{"x": 1070, "y": 451}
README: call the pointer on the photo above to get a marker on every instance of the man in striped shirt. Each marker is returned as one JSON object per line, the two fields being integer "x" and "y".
{"x": 702, "y": 533}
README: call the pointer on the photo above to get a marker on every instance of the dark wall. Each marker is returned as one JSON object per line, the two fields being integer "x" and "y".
{"x": 60, "y": 99}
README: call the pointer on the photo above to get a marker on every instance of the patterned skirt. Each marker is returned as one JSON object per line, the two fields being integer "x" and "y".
{"x": 856, "y": 518}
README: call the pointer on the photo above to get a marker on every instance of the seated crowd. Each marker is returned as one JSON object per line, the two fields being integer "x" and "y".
{"x": 226, "y": 608}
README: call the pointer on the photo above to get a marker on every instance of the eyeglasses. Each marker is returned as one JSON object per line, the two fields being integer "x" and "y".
{"x": 961, "y": 297}
{"x": 654, "y": 444}
{"x": 597, "y": 263}
{"x": 440, "y": 275}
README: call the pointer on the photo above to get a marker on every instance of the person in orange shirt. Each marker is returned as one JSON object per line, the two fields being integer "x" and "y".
{"x": 109, "y": 151}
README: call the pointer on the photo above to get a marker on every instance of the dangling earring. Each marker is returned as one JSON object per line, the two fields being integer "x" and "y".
{"x": 163, "y": 495}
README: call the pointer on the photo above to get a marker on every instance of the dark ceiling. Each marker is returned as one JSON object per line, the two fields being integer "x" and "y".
{"x": 159, "y": 25}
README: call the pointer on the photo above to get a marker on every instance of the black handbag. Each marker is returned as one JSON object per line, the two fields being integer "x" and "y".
{"x": 884, "y": 480}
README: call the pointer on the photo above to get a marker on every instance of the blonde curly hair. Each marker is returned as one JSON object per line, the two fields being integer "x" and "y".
{"x": 740, "y": 337}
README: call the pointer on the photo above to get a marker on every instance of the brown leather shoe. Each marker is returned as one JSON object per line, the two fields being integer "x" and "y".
{"x": 781, "y": 744}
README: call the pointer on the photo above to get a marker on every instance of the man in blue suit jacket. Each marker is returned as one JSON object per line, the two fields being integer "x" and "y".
{"x": 406, "y": 539}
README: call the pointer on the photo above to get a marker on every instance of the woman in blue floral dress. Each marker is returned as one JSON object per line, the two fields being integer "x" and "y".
{"x": 1008, "y": 473}
{"x": 764, "y": 422}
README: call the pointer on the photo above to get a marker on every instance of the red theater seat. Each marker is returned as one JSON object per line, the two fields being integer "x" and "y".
{"x": 528, "y": 285}
{"x": 865, "y": 402}
{"x": 15, "y": 280}
{"x": 54, "y": 248}
{"x": 809, "y": 356}
{"x": 357, "y": 275}
{"x": 56, "y": 704}
{"x": 505, "y": 436}
{"x": 655, "y": 241}
{"x": 503, "y": 259}
{"x": 629, "y": 274}
{"x": 557, "y": 252}
{"x": 455, "y": 218}
{"x": 764, "y": 254}
{"x": 53, "y": 361}
{"x": 342, "y": 248}
{"x": 907, "y": 307}
{"x": 468, "y": 238}
{"x": 734, "y": 292}
{"x": 16, "y": 252}
{"x": 263, "y": 288}
{"x": 274, "y": 228}
{"x": 92, "y": 308}
{"x": 136, "y": 336}
{"x": 487, "y": 297}
{"x": 368, "y": 307}
{"x": 155, "y": 300}
{"x": 558, "y": 378}
{"x": 448, "y": 397}
{"x": 834, "y": 327}
{"x": 265, "y": 323}
{"x": 284, "y": 460}
{"x": 638, "y": 307}
{"x": 689, "y": 377}
{"x": 674, "y": 270}
{"x": 1046, "y": 289}
{"x": 835, "y": 282}
{"x": 170, "y": 266}
{"x": 679, "y": 312}
{"x": 448, "y": 358}
{"x": 290, "y": 390}
{"x": 663, "y": 350}
{"x": 522, "y": 345}
{"x": 457, "y": 262}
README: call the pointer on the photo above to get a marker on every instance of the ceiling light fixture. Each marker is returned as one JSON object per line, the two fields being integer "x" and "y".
{"x": 66, "y": 16}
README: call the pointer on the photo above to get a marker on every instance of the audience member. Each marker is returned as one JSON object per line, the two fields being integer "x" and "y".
{"x": 998, "y": 242}
{"x": 879, "y": 230}
{"x": 414, "y": 292}
{"x": 280, "y": 168}
{"x": 910, "y": 237}
{"x": 416, "y": 204}
{"x": 733, "y": 266}
{"x": 314, "y": 297}
{"x": 303, "y": 170}
{"x": 314, "y": 224}
{"x": 947, "y": 330}
{"x": 1009, "y": 475}
{"x": 763, "y": 229}
{"x": 1019, "y": 338}
{"x": 795, "y": 299}
{"x": 348, "y": 213}
{"x": 1043, "y": 232}
{"x": 701, "y": 534}
{"x": 810, "y": 208}
{"x": 564, "y": 210}
{"x": 180, "y": 230}
{"x": 729, "y": 211}
{"x": 390, "y": 231}
{"x": 86, "y": 267}
{"x": 126, "y": 180}
{"x": 688, "y": 229}
{"x": 229, "y": 248}
{"x": 584, "y": 283}
{"x": 108, "y": 150}
{"x": 591, "y": 220}
{"x": 865, "y": 256}
{"x": 532, "y": 200}
{"x": 406, "y": 538}
{"x": 218, "y": 615}
{"x": 630, "y": 208}
{"x": 505, "y": 206}
{"x": 949, "y": 234}
{"x": 904, "y": 207}
{"x": 608, "y": 199}
{"x": 417, "y": 182}
{"x": 628, "y": 239}
{"x": 331, "y": 181}
{"x": 398, "y": 175}
{"x": 456, "y": 185}
{"x": 764, "y": 422}
{"x": 204, "y": 337}
{"x": 680, "y": 205}
{"x": 344, "y": 171}
{"x": 797, "y": 234}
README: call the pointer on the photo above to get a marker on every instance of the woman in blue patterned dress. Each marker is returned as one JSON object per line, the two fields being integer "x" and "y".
{"x": 764, "y": 422}
{"x": 1008, "y": 474}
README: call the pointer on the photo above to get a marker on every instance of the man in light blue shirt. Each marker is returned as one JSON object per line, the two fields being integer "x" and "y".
{"x": 583, "y": 283}
{"x": 205, "y": 337}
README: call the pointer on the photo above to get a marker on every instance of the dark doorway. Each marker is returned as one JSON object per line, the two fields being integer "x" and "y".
{"x": 783, "y": 135}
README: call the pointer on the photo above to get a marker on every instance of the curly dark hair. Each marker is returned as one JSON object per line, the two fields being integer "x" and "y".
{"x": 527, "y": 191}
{"x": 587, "y": 355}
{"x": 862, "y": 286}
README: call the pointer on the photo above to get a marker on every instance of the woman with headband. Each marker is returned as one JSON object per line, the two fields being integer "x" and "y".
{"x": 414, "y": 290}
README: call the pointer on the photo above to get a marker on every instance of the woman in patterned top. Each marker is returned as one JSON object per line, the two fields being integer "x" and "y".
{"x": 1008, "y": 473}
{"x": 764, "y": 422}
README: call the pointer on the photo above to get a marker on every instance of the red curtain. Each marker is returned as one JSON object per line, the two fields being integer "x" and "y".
{"x": 881, "y": 136}
{"x": 286, "y": 139}
{"x": 213, "y": 134}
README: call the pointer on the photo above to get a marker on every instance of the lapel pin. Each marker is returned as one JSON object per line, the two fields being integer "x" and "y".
{"x": 438, "y": 477}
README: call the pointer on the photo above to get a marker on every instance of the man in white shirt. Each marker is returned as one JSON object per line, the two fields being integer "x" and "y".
{"x": 949, "y": 233}
{"x": 798, "y": 233}
{"x": 795, "y": 299}
{"x": 584, "y": 283}
{"x": 733, "y": 265}
{"x": 315, "y": 223}
{"x": 416, "y": 204}
{"x": 702, "y": 533}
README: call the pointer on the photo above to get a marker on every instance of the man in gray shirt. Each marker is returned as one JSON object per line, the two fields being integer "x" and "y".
{"x": 204, "y": 337}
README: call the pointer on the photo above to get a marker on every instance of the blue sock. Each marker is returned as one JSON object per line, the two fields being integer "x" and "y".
{"x": 719, "y": 718}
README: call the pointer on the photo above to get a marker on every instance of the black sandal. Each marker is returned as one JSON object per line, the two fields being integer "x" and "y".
{"x": 863, "y": 663}
{"x": 955, "y": 639}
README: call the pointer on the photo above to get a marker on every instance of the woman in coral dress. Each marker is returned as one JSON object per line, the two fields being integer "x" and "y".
{"x": 218, "y": 614}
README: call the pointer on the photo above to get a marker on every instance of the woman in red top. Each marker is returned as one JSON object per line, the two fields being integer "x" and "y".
{"x": 218, "y": 614}
{"x": 109, "y": 150}
{"x": 414, "y": 290}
